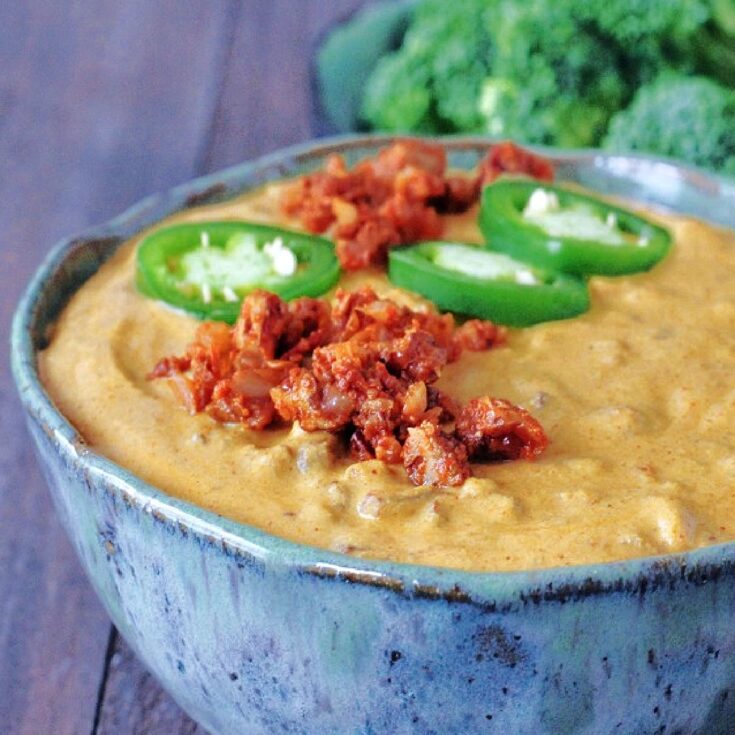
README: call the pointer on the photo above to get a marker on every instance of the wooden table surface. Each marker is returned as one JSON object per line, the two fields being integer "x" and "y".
{"x": 101, "y": 103}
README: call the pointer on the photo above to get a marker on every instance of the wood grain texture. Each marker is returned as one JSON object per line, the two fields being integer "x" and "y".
{"x": 265, "y": 103}
{"x": 135, "y": 704}
{"x": 101, "y": 102}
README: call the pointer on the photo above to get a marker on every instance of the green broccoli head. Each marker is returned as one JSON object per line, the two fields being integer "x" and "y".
{"x": 691, "y": 118}
{"x": 459, "y": 46}
{"x": 398, "y": 97}
{"x": 723, "y": 16}
{"x": 433, "y": 82}
{"x": 633, "y": 21}
{"x": 542, "y": 71}
{"x": 652, "y": 35}
{"x": 551, "y": 80}
{"x": 713, "y": 46}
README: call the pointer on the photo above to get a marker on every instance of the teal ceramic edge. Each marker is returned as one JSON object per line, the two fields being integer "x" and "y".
{"x": 344, "y": 57}
{"x": 251, "y": 633}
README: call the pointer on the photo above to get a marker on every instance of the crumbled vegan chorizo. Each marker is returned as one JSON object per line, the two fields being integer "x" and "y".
{"x": 493, "y": 428}
{"x": 509, "y": 158}
{"x": 227, "y": 372}
{"x": 396, "y": 197}
{"x": 363, "y": 365}
{"x": 433, "y": 457}
{"x": 476, "y": 335}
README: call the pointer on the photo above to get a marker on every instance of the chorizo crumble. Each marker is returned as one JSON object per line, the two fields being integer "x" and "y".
{"x": 363, "y": 366}
{"x": 396, "y": 197}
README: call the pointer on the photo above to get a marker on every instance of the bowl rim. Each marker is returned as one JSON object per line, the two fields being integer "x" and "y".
{"x": 498, "y": 590}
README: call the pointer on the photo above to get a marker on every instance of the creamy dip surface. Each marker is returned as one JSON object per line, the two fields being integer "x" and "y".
{"x": 637, "y": 398}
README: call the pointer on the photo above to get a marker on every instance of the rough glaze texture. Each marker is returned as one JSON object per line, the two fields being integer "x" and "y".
{"x": 252, "y": 634}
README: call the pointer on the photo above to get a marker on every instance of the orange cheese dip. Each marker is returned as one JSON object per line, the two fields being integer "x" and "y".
{"x": 637, "y": 398}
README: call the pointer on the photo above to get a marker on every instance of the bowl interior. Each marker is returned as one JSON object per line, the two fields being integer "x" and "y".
{"x": 654, "y": 181}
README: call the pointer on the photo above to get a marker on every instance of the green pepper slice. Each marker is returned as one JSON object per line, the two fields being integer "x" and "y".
{"x": 206, "y": 268}
{"x": 474, "y": 281}
{"x": 553, "y": 227}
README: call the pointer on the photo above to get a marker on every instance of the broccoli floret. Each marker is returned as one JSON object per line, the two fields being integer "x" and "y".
{"x": 542, "y": 71}
{"x": 713, "y": 46}
{"x": 398, "y": 97}
{"x": 642, "y": 28}
{"x": 723, "y": 16}
{"x": 551, "y": 80}
{"x": 459, "y": 56}
{"x": 652, "y": 34}
{"x": 691, "y": 118}
{"x": 634, "y": 21}
{"x": 432, "y": 83}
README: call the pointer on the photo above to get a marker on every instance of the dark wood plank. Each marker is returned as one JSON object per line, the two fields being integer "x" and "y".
{"x": 135, "y": 704}
{"x": 101, "y": 102}
{"x": 266, "y": 97}
{"x": 52, "y": 628}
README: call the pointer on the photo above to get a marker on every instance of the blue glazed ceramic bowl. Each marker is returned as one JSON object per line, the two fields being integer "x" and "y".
{"x": 254, "y": 634}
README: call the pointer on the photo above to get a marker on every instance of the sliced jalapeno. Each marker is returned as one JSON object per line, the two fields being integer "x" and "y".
{"x": 472, "y": 280}
{"x": 553, "y": 227}
{"x": 206, "y": 268}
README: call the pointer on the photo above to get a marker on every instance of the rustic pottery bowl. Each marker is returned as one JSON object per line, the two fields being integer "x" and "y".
{"x": 254, "y": 634}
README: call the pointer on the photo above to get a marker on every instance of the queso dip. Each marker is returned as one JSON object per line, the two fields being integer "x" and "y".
{"x": 637, "y": 398}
